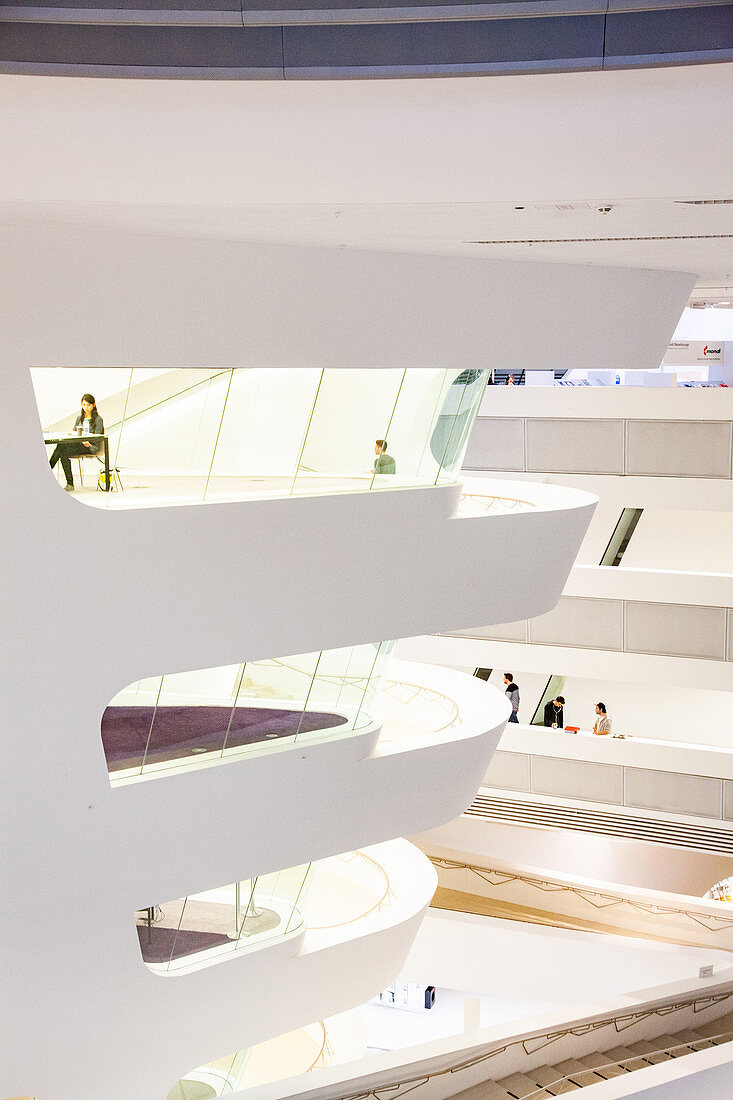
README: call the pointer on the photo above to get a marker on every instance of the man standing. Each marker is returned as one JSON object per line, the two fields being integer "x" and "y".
{"x": 603, "y": 722}
{"x": 554, "y": 713}
{"x": 512, "y": 693}
{"x": 383, "y": 463}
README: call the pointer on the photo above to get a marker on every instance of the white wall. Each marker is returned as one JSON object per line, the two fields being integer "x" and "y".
{"x": 617, "y": 862}
{"x": 531, "y": 685}
{"x": 670, "y": 698}
{"x": 671, "y": 539}
{"x": 509, "y": 959}
{"x": 687, "y": 712}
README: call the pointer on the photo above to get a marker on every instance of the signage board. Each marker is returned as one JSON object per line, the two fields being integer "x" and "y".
{"x": 688, "y": 353}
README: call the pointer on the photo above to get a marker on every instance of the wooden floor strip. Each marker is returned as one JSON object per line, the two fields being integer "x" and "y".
{"x": 459, "y": 901}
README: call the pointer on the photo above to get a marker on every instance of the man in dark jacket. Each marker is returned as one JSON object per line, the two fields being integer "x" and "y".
{"x": 512, "y": 693}
{"x": 554, "y": 713}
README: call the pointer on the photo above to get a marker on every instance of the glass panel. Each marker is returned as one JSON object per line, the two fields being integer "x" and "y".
{"x": 352, "y": 410}
{"x": 262, "y": 432}
{"x": 342, "y": 680}
{"x": 450, "y": 436}
{"x": 163, "y": 934}
{"x": 414, "y": 417}
{"x": 166, "y": 440}
{"x": 170, "y": 722}
{"x": 385, "y": 473}
{"x": 189, "y": 1088}
{"x": 207, "y": 925}
{"x": 373, "y": 683}
{"x": 270, "y": 701}
{"x": 191, "y": 434}
{"x": 127, "y": 723}
{"x": 193, "y": 716}
{"x": 190, "y": 719}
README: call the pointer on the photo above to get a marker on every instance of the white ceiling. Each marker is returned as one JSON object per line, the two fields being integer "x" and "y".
{"x": 417, "y": 165}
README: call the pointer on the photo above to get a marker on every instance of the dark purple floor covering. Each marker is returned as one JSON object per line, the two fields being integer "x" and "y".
{"x": 185, "y": 731}
{"x": 159, "y": 945}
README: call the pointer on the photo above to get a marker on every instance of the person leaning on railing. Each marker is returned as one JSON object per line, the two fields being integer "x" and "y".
{"x": 88, "y": 422}
{"x": 554, "y": 714}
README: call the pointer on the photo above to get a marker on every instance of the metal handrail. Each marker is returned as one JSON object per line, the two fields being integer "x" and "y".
{"x": 326, "y": 1048}
{"x": 385, "y": 898}
{"x": 418, "y": 690}
{"x": 531, "y": 1044}
{"x": 586, "y": 894}
{"x": 725, "y": 1036}
{"x": 491, "y": 503}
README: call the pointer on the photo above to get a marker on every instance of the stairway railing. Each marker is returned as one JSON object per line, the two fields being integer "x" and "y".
{"x": 620, "y": 1063}
{"x": 530, "y": 1044}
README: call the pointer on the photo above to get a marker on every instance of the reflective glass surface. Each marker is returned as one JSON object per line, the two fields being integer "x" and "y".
{"x": 193, "y": 435}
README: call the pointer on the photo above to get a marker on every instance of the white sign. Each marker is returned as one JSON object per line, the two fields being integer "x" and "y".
{"x": 688, "y": 353}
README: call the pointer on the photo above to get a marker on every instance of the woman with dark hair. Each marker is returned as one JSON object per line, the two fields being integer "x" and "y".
{"x": 88, "y": 422}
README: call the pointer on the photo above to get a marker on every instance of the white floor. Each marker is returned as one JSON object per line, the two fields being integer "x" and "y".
{"x": 395, "y": 1028}
{"x": 141, "y": 490}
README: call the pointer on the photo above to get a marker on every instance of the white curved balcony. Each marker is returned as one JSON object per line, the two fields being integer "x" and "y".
{"x": 435, "y": 722}
{"x": 359, "y": 924}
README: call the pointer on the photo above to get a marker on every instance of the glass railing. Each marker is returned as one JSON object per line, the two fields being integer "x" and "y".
{"x": 287, "y": 1055}
{"x": 191, "y": 435}
{"x": 208, "y": 926}
{"x": 202, "y": 928}
{"x": 165, "y": 723}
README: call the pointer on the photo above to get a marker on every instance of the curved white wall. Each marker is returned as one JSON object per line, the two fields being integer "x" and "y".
{"x": 95, "y": 600}
{"x": 141, "y": 299}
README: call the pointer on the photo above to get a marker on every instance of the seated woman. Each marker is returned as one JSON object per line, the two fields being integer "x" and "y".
{"x": 88, "y": 422}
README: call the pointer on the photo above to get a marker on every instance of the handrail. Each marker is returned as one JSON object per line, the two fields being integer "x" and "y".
{"x": 586, "y": 894}
{"x": 488, "y": 503}
{"x": 326, "y": 1048}
{"x": 385, "y": 898}
{"x": 726, "y": 1036}
{"x": 418, "y": 690}
{"x": 531, "y": 1044}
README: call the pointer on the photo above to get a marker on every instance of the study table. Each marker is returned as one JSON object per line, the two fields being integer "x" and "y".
{"x": 52, "y": 439}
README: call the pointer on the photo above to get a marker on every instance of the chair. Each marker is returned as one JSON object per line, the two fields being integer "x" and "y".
{"x": 114, "y": 473}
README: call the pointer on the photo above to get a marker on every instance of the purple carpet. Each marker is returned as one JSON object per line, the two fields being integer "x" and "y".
{"x": 160, "y": 945}
{"x": 133, "y": 735}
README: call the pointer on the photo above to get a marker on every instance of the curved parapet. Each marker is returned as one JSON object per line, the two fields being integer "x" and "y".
{"x": 419, "y": 569}
{"x": 258, "y": 814}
